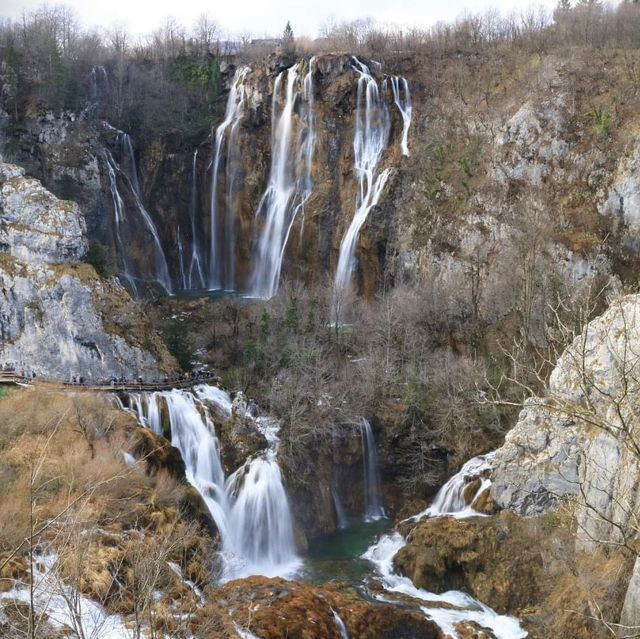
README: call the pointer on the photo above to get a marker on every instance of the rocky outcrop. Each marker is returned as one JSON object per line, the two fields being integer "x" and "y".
{"x": 579, "y": 442}
{"x": 57, "y": 317}
{"x": 578, "y": 446}
{"x": 291, "y": 610}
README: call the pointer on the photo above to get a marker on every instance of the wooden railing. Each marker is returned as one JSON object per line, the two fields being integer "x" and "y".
{"x": 11, "y": 377}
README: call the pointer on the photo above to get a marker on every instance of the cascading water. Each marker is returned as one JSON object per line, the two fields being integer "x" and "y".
{"x": 373, "y": 126}
{"x": 342, "y": 629}
{"x": 118, "y": 213}
{"x": 222, "y": 239}
{"x": 307, "y": 141}
{"x": 161, "y": 270}
{"x": 250, "y": 508}
{"x": 373, "y": 509}
{"x": 194, "y": 274}
{"x": 290, "y": 183}
{"x": 130, "y": 177}
{"x": 452, "y": 499}
{"x": 398, "y": 86}
{"x": 341, "y": 518}
{"x": 451, "y": 607}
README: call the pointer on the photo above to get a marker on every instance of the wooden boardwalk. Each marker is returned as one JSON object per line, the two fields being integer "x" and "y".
{"x": 7, "y": 377}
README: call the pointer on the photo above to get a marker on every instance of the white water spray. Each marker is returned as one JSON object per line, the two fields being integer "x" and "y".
{"x": 222, "y": 238}
{"x": 373, "y": 126}
{"x": 446, "y": 609}
{"x": 373, "y": 509}
{"x": 250, "y": 507}
{"x": 290, "y": 184}
{"x": 452, "y": 499}
{"x": 403, "y": 102}
{"x": 458, "y": 606}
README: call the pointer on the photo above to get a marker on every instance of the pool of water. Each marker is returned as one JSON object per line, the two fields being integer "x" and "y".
{"x": 337, "y": 557}
{"x": 213, "y": 294}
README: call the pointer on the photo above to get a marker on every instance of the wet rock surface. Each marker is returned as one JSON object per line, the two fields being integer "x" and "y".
{"x": 279, "y": 609}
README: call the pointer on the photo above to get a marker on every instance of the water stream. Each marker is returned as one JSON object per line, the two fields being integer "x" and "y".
{"x": 195, "y": 272}
{"x": 222, "y": 236}
{"x": 372, "y": 129}
{"x": 373, "y": 508}
{"x": 128, "y": 174}
{"x": 250, "y": 507}
{"x": 289, "y": 185}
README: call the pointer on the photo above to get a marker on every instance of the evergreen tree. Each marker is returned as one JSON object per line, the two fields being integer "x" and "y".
{"x": 288, "y": 40}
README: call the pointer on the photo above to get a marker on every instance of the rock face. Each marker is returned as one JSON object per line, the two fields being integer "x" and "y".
{"x": 57, "y": 318}
{"x": 579, "y": 442}
{"x": 36, "y": 226}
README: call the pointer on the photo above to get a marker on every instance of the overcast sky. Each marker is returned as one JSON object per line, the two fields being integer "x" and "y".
{"x": 260, "y": 17}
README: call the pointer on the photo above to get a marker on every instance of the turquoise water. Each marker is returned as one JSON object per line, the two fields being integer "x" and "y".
{"x": 336, "y": 557}
{"x": 214, "y": 294}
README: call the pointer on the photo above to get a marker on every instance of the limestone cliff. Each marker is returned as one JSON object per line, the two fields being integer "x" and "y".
{"x": 578, "y": 445}
{"x": 57, "y": 317}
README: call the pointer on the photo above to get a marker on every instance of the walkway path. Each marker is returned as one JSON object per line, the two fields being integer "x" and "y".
{"x": 7, "y": 377}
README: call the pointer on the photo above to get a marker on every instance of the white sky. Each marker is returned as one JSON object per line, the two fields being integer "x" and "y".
{"x": 261, "y": 17}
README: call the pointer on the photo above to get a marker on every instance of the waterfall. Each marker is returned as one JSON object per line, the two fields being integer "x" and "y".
{"x": 194, "y": 274}
{"x": 373, "y": 508}
{"x": 372, "y": 129}
{"x": 161, "y": 270}
{"x": 222, "y": 239}
{"x": 342, "y": 629}
{"x": 456, "y": 606}
{"x": 98, "y": 75}
{"x": 250, "y": 507}
{"x": 183, "y": 276}
{"x": 290, "y": 183}
{"x": 130, "y": 176}
{"x": 307, "y": 141}
{"x": 452, "y": 499}
{"x": 404, "y": 106}
{"x": 118, "y": 214}
{"x": 341, "y": 518}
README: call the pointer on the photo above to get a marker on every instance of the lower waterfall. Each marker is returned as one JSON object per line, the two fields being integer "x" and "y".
{"x": 453, "y": 606}
{"x": 373, "y": 508}
{"x": 250, "y": 507}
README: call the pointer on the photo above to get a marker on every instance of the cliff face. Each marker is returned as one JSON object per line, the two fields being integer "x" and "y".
{"x": 57, "y": 317}
{"x": 578, "y": 445}
{"x": 579, "y": 442}
{"x": 520, "y": 168}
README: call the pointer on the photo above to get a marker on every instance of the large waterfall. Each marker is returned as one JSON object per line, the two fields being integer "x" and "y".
{"x": 373, "y": 126}
{"x": 210, "y": 243}
{"x": 250, "y": 507}
{"x": 289, "y": 184}
{"x": 222, "y": 232}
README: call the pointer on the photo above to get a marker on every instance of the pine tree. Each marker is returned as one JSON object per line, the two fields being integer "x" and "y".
{"x": 288, "y": 40}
